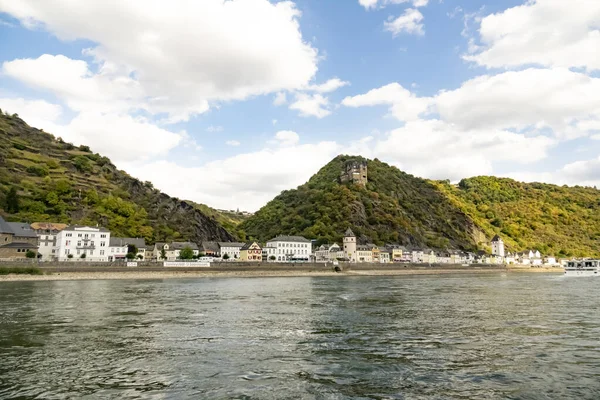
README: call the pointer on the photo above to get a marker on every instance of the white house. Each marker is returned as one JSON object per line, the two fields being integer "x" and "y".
{"x": 119, "y": 247}
{"x": 47, "y": 232}
{"x": 350, "y": 251}
{"x": 85, "y": 243}
{"x": 269, "y": 253}
{"x": 232, "y": 249}
{"x": 291, "y": 248}
{"x": 497, "y": 246}
{"x": 364, "y": 254}
{"x": 329, "y": 253}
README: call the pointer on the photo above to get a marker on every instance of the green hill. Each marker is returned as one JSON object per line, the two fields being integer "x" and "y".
{"x": 42, "y": 178}
{"x": 396, "y": 207}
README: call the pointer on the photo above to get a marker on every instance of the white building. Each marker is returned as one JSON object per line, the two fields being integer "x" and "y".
{"x": 85, "y": 243}
{"x": 47, "y": 232}
{"x": 172, "y": 250}
{"x": 497, "y": 246}
{"x": 291, "y": 248}
{"x": 269, "y": 253}
{"x": 350, "y": 245}
{"x": 232, "y": 249}
{"x": 364, "y": 254}
{"x": 119, "y": 247}
{"x": 331, "y": 253}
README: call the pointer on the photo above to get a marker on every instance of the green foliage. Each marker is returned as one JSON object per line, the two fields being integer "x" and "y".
{"x": 83, "y": 164}
{"x": 30, "y": 254}
{"x": 163, "y": 253}
{"x": 69, "y": 256}
{"x": 131, "y": 248}
{"x": 83, "y": 256}
{"x": 21, "y": 271}
{"x": 225, "y": 257}
{"x": 37, "y": 170}
{"x": 11, "y": 203}
{"x": 272, "y": 258}
{"x": 130, "y": 256}
{"x": 84, "y": 148}
{"x": 186, "y": 253}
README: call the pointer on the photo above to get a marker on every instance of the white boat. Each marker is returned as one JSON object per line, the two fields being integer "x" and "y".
{"x": 583, "y": 268}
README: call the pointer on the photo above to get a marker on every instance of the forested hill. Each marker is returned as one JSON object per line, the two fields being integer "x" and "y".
{"x": 43, "y": 178}
{"x": 396, "y": 207}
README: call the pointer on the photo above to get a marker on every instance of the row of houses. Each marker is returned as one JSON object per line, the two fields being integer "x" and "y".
{"x": 61, "y": 242}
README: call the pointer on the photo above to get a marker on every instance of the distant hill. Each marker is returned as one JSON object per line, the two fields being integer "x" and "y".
{"x": 56, "y": 181}
{"x": 395, "y": 207}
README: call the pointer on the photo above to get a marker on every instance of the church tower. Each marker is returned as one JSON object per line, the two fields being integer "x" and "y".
{"x": 350, "y": 245}
{"x": 497, "y": 246}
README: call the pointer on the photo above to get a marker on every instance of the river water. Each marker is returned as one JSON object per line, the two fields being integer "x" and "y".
{"x": 434, "y": 337}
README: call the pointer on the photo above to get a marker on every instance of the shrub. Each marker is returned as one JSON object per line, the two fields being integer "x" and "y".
{"x": 30, "y": 254}
{"x": 21, "y": 271}
{"x": 37, "y": 170}
{"x": 84, "y": 148}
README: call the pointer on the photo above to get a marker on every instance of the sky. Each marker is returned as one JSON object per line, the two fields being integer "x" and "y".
{"x": 230, "y": 102}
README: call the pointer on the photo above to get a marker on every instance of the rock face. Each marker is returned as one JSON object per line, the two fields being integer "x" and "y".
{"x": 59, "y": 182}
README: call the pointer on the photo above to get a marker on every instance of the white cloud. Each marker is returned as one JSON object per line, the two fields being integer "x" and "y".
{"x": 404, "y": 104}
{"x": 213, "y": 128}
{"x": 177, "y": 56}
{"x": 308, "y": 105}
{"x": 280, "y": 99}
{"x": 232, "y": 143}
{"x": 409, "y": 22}
{"x": 554, "y": 33}
{"x": 287, "y": 138}
{"x": 330, "y": 86}
{"x": 36, "y": 113}
{"x": 368, "y": 4}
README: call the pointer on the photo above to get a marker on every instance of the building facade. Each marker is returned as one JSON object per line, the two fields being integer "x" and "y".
{"x": 85, "y": 243}
{"x": 354, "y": 171}
{"x": 251, "y": 252}
{"x": 16, "y": 240}
{"x": 350, "y": 245}
{"x": 497, "y": 246}
{"x": 291, "y": 248}
{"x": 232, "y": 249}
{"x": 47, "y": 233}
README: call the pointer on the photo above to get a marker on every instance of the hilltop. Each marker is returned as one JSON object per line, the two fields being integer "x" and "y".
{"x": 396, "y": 207}
{"x": 55, "y": 181}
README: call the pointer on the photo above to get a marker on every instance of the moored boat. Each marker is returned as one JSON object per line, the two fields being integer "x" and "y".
{"x": 583, "y": 268}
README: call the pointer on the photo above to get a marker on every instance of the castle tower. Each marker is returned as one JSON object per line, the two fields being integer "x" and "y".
{"x": 354, "y": 171}
{"x": 497, "y": 246}
{"x": 350, "y": 245}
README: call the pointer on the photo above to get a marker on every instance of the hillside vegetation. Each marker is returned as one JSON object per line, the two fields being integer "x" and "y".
{"x": 396, "y": 207}
{"x": 42, "y": 178}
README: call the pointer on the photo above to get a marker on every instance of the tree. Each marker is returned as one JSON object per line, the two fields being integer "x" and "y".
{"x": 69, "y": 256}
{"x": 225, "y": 256}
{"x": 132, "y": 248}
{"x": 83, "y": 256}
{"x": 272, "y": 258}
{"x": 130, "y": 256}
{"x": 12, "y": 201}
{"x": 186, "y": 253}
{"x": 140, "y": 257}
{"x": 30, "y": 254}
{"x": 163, "y": 254}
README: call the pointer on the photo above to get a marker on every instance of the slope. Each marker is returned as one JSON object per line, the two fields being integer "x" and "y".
{"x": 394, "y": 207}
{"x": 42, "y": 178}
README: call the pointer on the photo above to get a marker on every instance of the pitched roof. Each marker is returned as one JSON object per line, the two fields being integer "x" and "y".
{"x": 21, "y": 229}
{"x": 4, "y": 227}
{"x": 231, "y": 244}
{"x": 210, "y": 246}
{"x": 20, "y": 245}
{"x": 496, "y": 239}
{"x": 349, "y": 233}
{"x": 182, "y": 245}
{"x": 140, "y": 243}
{"x": 50, "y": 226}
{"x": 248, "y": 245}
{"x": 284, "y": 238}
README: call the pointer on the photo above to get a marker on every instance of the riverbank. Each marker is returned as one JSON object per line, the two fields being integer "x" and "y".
{"x": 95, "y": 274}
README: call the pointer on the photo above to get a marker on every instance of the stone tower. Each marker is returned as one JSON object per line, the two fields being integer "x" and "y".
{"x": 350, "y": 245}
{"x": 497, "y": 246}
{"x": 354, "y": 171}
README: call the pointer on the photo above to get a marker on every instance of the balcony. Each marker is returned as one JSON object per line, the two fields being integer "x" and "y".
{"x": 86, "y": 246}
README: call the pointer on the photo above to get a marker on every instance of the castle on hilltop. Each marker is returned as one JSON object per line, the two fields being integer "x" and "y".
{"x": 354, "y": 171}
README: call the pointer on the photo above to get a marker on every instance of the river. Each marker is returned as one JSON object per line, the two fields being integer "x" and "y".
{"x": 516, "y": 336}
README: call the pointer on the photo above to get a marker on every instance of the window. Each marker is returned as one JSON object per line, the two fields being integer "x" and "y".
{"x": 69, "y": 235}
{"x": 102, "y": 244}
{"x": 53, "y": 251}
{"x": 68, "y": 243}
{"x": 91, "y": 252}
{"x": 93, "y": 235}
{"x": 79, "y": 243}
{"x": 101, "y": 252}
{"x": 79, "y": 235}
{"x": 103, "y": 236}
{"x": 92, "y": 242}
{"x": 78, "y": 251}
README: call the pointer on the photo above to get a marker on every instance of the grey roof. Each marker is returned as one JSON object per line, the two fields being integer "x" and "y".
{"x": 21, "y": 229}
{"x": 73, "y": 227}
{"x": 4, "y": 227}
{"x": 182, "y": 245}
{"x": 15, "y": 245}
{"x": 210, "y": 246}
{"x": 496, "y": 239}
{"x": 284, "y": 238}
{"x": 247, "y": 245}
{"x": 363, "y": 248}
{"x": 231, "y": 244}
{"x": 140, "y": 243}
{"x": 349, "y": 233}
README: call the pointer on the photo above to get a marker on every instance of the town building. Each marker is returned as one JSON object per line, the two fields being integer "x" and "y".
{"x": 47, "y": 232}
{"x": 291, "y": 248}
{"x": 119, "y": 247}
{"x": 85, "y": 243}
{"x": 269, "y": 253}
{"x": 330, "y": 253}
{"x": 210, "y": 249}
{"x": 497, "y": 246}
{"x": 251, "y": 252}
{"x": 350, "y": 245}
{"x": 232, "y": 249}
{"x": 364, "y": 254}
{"x": 385, "y": 256}
{"x": 16, "y": 239}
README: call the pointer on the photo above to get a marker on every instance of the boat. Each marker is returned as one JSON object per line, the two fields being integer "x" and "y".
{"x": 583, "y": 268}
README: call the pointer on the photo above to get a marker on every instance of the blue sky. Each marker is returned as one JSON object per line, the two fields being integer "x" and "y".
{"x": 228, "y": 103}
